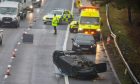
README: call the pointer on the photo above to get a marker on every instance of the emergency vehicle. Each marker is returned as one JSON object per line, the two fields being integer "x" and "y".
{"x": 90, "y": 21}
{"x": 74, "y": 26}
{"x": 62, "y": 15}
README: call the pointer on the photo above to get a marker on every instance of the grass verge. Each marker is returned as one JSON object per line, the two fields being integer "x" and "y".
{"x": 119, "y": 28}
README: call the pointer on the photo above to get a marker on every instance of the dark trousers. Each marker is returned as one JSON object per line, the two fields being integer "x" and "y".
{"x": 55, "y": 30}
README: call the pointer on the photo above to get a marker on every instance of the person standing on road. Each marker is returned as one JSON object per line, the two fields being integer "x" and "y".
{"x": 55, "y": 23}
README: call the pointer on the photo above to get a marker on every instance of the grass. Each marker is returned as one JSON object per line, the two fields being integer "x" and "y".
{"x": 118, "y": 21}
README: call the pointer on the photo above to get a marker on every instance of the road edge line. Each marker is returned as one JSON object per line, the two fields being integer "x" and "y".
{"x": 65, "y": 43}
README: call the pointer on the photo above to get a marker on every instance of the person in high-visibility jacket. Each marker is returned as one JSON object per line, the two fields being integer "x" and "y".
{"x": 55, "y": 23}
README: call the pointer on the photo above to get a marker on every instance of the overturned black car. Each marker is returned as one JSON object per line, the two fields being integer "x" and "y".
{"x": 73, "y": 65}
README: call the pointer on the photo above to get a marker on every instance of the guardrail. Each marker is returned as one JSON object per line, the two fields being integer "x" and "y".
{"x": 135, "y": 80}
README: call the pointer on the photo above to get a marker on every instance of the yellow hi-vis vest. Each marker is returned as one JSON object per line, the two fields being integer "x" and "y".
{"x": 55, "y": 21}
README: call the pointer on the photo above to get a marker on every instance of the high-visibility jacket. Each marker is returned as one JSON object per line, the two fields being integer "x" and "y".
{"x": 55, "y": 21}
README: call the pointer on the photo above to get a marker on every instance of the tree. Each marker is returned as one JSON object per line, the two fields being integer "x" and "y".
{"x": 130, "y": 5}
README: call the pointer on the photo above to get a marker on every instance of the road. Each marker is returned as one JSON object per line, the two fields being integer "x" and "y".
{"x": 33, "y": 62}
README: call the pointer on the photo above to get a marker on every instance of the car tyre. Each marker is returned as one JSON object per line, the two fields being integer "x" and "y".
{"x": 71, "y": 31}
{"x": 73, "y": 48}
{"x": 93, "y": 51}
{"x": 45, "y": 22}
{"x": 1, "y": 41}
{"x": 16, "y": 25}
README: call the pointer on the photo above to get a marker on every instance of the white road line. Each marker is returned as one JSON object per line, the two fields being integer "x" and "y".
{"x": 67, "y": 32}
{"x": 65, "y": 42}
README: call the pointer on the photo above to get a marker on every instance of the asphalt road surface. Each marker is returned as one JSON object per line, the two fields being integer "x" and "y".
{"x": 33, "y": 62}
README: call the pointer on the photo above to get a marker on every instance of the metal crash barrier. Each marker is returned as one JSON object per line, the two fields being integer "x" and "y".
{"x": 135, "y": 80}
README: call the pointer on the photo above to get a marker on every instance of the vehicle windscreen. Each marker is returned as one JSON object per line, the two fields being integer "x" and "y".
{"x": 84, "y": 38}
{"x": 14, "y": 0}
{"x": 8, "y": 10}
{"x": 89, "y": 20}
{"x": 56, "y": 12}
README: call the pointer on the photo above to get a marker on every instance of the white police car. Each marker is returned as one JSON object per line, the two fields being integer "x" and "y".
{"x": 47, "y": 19}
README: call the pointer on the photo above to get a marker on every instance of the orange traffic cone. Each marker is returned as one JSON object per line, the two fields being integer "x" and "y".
{"x": 108, "y": 39}
{"x": 13, "y": 54}
{"x": 8, "y": 72}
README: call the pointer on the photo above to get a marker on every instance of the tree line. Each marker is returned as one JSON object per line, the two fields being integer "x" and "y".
{"x": 130, "y": 5}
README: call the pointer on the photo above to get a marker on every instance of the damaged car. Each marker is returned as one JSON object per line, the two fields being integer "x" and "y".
{"x": 76, "y": 66}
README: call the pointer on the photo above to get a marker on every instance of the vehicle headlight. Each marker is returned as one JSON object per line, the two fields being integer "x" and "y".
{"x": 76, "y": 44}
{"x": 0, "y": 18}
{"x": 94, "y": 45}
{"x": 80, "y": 29}
{"x": 14, "y": 19}
{"x": 31, "y": 6}
{"x": 98, "y": 30}
{"x": 44, "y": 18}
{"x": 91, "y": 46}
{"x": 37, "y": 0}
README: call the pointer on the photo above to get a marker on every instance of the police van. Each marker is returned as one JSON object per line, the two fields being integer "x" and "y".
{"x": 9, "y": 14}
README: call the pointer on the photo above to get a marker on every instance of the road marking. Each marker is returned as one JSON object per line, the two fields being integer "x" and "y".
{"x": 65, "y": 43}
{"x": 66, "y": 79}
{"x": 67, "y": 31}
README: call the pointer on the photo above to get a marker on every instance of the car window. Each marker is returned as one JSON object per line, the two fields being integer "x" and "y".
{"x": 57, "y": 12}
{"x": 89, "y": 20}
{"x": 84, "y": 37}
{"x": 8, "y": 10}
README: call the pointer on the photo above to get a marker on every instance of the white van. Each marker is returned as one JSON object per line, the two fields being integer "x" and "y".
{"x": 9, "y": 14}
{"x": 26, "y": 5}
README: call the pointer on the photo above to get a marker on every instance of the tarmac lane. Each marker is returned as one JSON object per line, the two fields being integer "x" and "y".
{"x": 33, "y": 62}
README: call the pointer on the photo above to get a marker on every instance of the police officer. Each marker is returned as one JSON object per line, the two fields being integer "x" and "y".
{"x": 55, "y": 23}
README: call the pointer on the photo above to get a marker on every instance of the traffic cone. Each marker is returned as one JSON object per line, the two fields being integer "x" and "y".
{"x": 8, "y": 72}
{"x": 30, "y": 26}
{"x": 108, "y": 39}
{"x": 13, "y": 54}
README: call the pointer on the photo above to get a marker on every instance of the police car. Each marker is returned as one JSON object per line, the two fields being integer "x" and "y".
{"x": 62, "y": 15}
{"x": 74, "y": 26}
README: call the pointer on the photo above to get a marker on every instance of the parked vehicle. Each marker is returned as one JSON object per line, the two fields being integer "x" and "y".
{"x": 84, "y": 42}
{"x": 25, "y": 5}
{"x": 74, "y": 27}
{"x": 9, "y": 14}
{"x": 62, "y": 15}
{"x": 90, "y": 21}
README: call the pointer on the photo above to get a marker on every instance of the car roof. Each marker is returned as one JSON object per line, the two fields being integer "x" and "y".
{"x": 9, "y": 4}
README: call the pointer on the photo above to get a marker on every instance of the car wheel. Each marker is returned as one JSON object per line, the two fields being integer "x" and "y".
{"x": 75, "y": 31}
{"x": 0, "y": 41}
{"x": 73, "y": 48}
{"x": 60, "y": 21}
{"x": 93, "y": 51}
{"x": 17, "y": 25}
{"x": 21, "y": 17}
{"x": 39, "y": 5}
{"x": 71, "y": 31}
{"x": 45, "y": 22}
